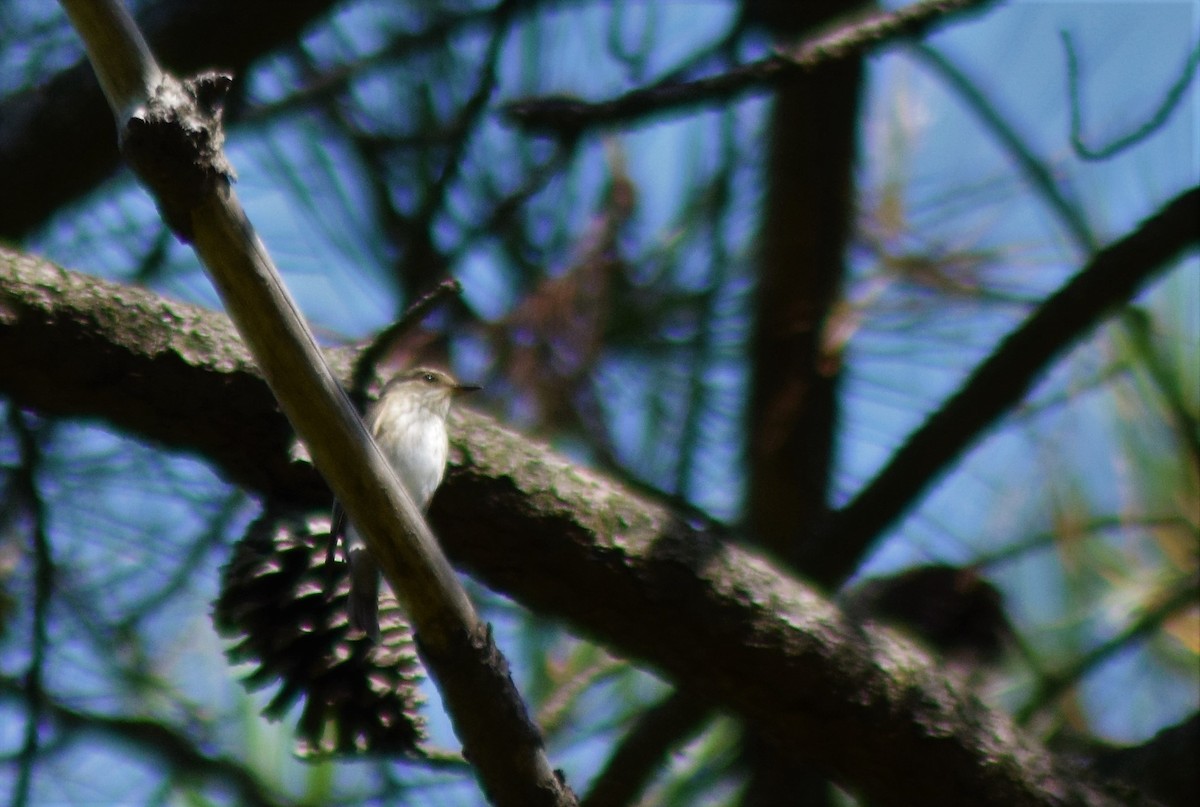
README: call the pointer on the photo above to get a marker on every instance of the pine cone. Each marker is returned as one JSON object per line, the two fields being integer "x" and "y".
{"x": 287, "y": 608}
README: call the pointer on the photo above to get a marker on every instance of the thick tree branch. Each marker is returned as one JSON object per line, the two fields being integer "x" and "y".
{"x": 791, "y": 418}
{"x": 566, "y": 117}
{"x": 1111, "y": 279}
{"x": 792, "y": 412}
{"x": 74, "y": 345}
{"x": 859, "y": 704}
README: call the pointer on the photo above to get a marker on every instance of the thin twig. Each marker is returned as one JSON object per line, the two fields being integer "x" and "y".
{"x": 568, "y": 118}
{"x": 1034, "y": 169}
{"x": 26, "y": 489}
{"x": 1156, "y": 120}
{"x": 1052, "y": 686}
{"x": 645, "y": 749}
{"x": 1110, "y": 279}
{"x": 451, "y": 154}
{"x": 1052, "y": 538}
{"x": 367, "y": 361}
{"x": 1071, "y": 217}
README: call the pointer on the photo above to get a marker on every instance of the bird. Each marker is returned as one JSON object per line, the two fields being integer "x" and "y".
{"x": 408, "y": 422}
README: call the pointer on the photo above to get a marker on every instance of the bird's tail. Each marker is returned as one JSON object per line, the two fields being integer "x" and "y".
{"x": 364, "y": 593}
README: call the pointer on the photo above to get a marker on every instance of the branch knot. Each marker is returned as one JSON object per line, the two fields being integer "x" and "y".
{"x": 173, "y": 142}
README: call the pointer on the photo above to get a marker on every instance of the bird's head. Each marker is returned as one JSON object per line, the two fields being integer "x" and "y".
{"x": 426, "y": 387}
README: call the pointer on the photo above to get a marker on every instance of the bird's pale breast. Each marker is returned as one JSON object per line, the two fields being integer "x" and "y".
{"x": 414, "y": 441}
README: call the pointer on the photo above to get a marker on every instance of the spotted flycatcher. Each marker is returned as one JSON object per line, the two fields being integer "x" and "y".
{"x": 409, "y": 425}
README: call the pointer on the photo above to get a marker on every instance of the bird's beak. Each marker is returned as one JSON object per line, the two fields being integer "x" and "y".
{"x": 463, "y": 389}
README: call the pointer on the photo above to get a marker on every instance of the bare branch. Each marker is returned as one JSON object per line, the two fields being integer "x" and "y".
{"x": 1111, "y": 279}
{"x": 1055, "y": 194}
{"x": 567, "y": 118}
{"x": 1179, "y": 597}
{"x": 172, "y": 137}
{"x": 645, "y": 749}
{"x": 670, "y": 590}
{"x": 1157, "y": 119}
{"x": 367, "y": 360}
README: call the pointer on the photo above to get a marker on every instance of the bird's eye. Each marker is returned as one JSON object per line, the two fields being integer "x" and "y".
{"x": 429, "y": 378}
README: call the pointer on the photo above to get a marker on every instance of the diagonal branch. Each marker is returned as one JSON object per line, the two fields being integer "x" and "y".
{"x": 1035, "y": 170}
{"x": 565, "y": 117}
{"x": 668, "y": 589}
{"x": 646, "y": 748}
{"x": 170, "y": 132}
{"x": 1111, "y": 279}
{"x": 1174, "y": 600}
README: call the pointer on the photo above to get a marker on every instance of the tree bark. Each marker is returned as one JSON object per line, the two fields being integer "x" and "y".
{"x": 858, "y": 703}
